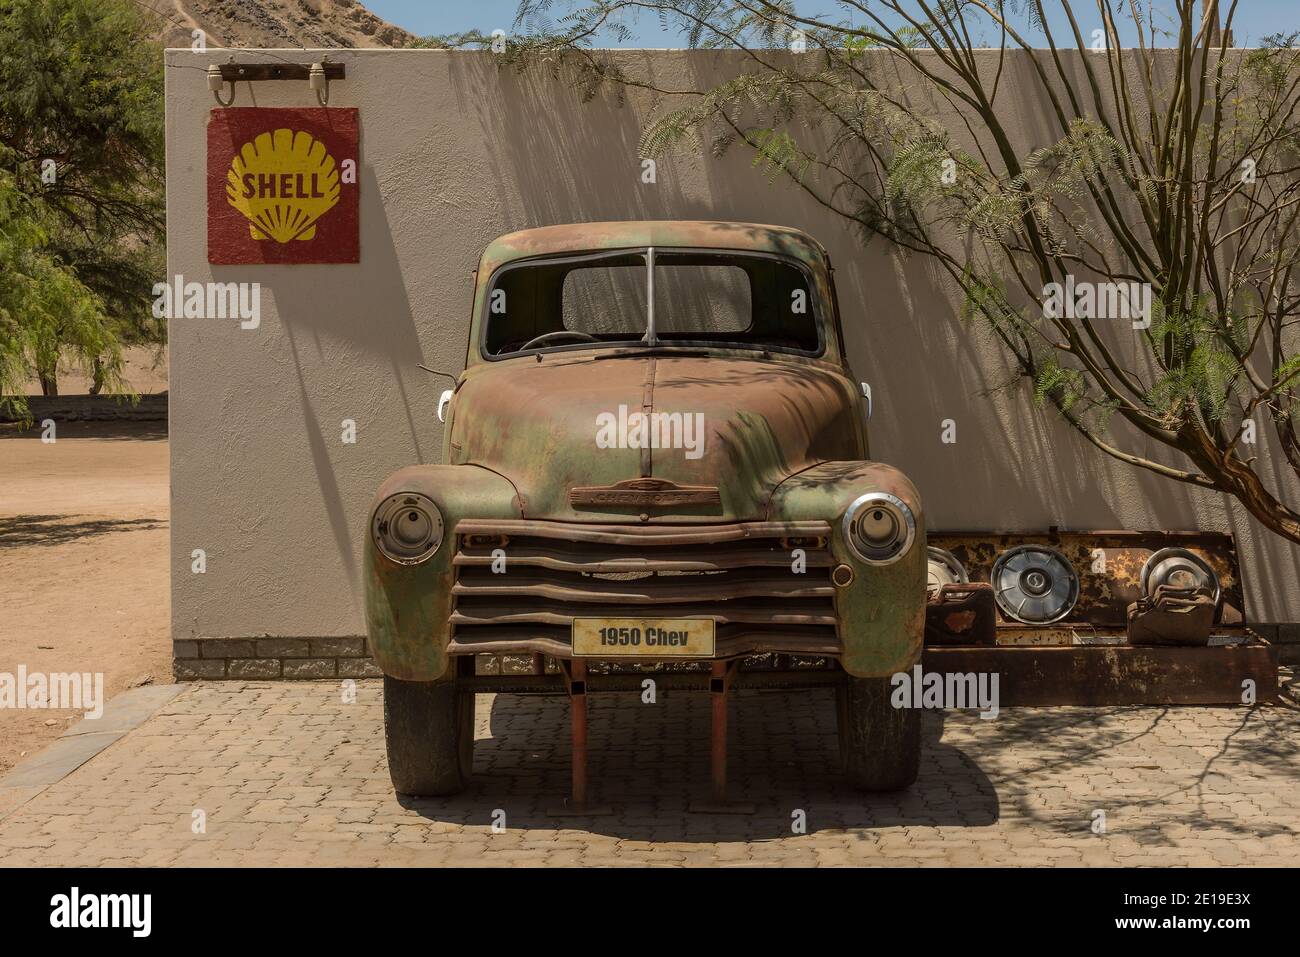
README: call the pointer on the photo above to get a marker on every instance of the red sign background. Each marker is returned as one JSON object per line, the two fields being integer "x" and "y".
{"x": 336, "y": 238}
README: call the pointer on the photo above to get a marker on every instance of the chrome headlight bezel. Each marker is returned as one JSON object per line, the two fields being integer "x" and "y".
{"x": 902, "y": 541}
{"x": 422, "y": 547}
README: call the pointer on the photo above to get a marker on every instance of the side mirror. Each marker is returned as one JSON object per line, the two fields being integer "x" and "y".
{"x": 442, "y": 405}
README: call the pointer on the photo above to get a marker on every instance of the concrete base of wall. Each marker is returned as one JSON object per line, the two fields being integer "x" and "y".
{"x": 290, "y": 659}
{"x": 94, "y": 408}
{"x": 262, "y": 659}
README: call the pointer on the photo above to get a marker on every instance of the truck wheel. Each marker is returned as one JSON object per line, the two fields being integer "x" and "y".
{"x": 880, "y": 745}
{"x": 429, "y": 730}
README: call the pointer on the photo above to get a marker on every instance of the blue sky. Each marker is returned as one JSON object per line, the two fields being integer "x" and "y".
{"x": 1255, "y": 18}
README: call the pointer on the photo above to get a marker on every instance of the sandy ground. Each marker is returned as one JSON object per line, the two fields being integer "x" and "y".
{"x": 83, "y": 564}
{"x": 144, "y": 371}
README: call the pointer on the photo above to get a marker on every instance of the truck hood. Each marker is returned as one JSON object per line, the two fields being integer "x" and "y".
{"x": 571, "y": 433}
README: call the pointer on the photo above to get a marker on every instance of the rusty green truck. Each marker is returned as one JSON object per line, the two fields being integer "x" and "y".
{"x": 656, "y": 453}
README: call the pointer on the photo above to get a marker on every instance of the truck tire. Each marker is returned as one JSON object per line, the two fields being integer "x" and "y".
{"x": 880, "y": 745}
{"x": 429, "y": 730}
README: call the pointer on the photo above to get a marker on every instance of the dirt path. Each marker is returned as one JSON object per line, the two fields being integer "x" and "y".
{"x": 83, "y": 564}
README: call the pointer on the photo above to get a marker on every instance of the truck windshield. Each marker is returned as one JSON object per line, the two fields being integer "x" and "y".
{"x": 697, "y": 298}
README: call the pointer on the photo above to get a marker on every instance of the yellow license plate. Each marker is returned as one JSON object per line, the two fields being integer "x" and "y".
{"x": 644, "y": 637}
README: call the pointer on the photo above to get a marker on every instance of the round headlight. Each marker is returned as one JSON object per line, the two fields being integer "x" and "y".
{"x": 879, "y": 528}
{"x": 407, "y": 527}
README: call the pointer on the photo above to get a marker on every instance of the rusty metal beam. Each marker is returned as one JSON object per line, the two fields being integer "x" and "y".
{"x": 1033, "y": 676}
{"x": 573, "y": 679}
{"x": 235, "y": 72}
{"x": 719, "y": 802}
{"x": 1116, "y": 674}
{"x": 797, "y": 680}
{"x": 718, "y": 683}
{"x": 577, "y": 675}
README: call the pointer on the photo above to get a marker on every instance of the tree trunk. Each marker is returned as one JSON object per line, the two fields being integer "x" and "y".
{"x": 97, "y": 376}
{"x": 1210, "y": 14}
{"x": 1239, "y": 480}
{"x": 49, "y": 383}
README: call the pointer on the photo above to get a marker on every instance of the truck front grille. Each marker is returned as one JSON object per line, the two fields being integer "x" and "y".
{"x": 740, "y": 575}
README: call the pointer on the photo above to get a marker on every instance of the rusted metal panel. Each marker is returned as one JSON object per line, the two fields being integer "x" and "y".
{"x": 1116, "y": 675}
{"x": 1109, "y": 565}
{"x": 763, "y": 421}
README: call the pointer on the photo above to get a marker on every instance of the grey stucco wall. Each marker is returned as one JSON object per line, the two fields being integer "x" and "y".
{"x": 455, "y": 152}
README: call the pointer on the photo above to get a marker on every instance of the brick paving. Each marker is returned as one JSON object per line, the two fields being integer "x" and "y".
{"x": 288, "y": 773}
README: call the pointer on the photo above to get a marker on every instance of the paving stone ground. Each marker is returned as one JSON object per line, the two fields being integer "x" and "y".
{"x": 288, "y": 773}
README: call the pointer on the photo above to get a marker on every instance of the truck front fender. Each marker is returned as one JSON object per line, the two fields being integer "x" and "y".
{"x": 881, "y": 612}
{"x": 408, "y": 606}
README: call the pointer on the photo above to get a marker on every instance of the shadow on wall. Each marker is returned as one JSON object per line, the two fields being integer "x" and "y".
{"x": 1013, "y": 464}
{"x": 331, "y": 388}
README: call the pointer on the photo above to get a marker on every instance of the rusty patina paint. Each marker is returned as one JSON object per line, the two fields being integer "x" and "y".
{"x": 764, "y": 420}
{"x": 1109, "y": 565}
{"x": 785, "y": 441}
{"x": 408, "y": 606}
{"x": 882, "y": 614}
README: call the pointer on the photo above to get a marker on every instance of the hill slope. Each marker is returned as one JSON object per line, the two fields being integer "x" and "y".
{"x": 275, "y": 23}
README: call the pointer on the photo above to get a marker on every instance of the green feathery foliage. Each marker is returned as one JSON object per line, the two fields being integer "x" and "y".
{"x": 81, "y": 97}
{"x": 45, "y": 310}
{"x": 1172, "y": 170}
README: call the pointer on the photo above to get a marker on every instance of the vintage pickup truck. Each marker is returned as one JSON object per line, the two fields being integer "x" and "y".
{"x": 656, "y": 452}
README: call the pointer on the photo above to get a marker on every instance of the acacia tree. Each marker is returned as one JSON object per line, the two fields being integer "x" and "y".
{"x": 44, "y": 307}
{"x": 81, "y": 141}
{"x": 1174, "y": 167}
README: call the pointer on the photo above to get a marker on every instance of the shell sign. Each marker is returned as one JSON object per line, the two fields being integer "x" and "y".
{"x": 282, "y": 186}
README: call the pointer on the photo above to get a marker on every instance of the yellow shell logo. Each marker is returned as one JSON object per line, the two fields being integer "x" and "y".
{"x": 283, "y": 182}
